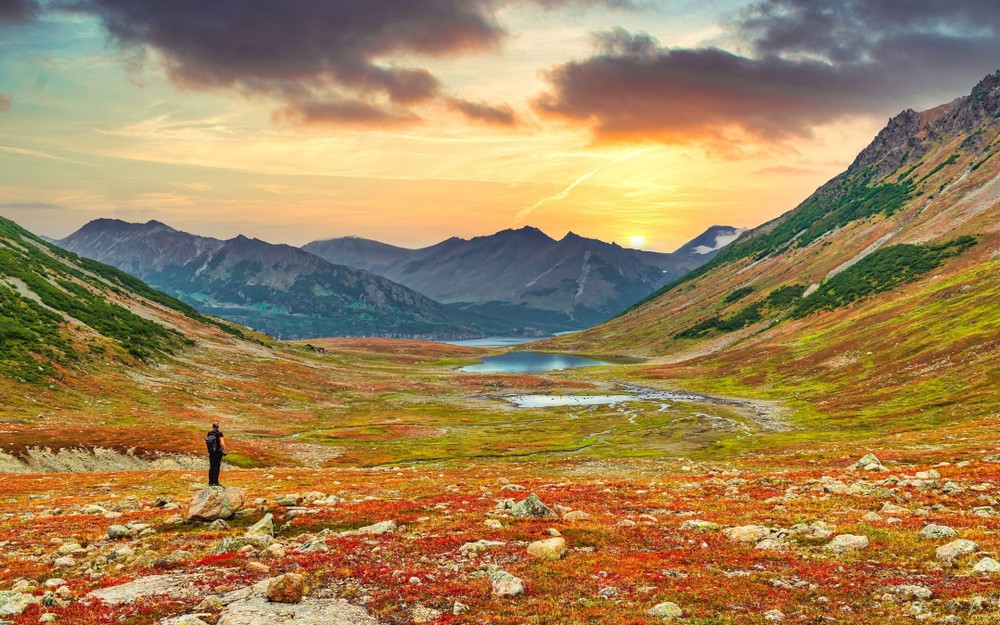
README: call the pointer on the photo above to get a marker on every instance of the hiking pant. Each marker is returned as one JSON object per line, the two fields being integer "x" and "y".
{"x": 214, "y": 466}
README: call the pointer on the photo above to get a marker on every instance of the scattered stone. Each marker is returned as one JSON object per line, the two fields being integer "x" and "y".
{"x": 911, "y": 592}
{"x": 211, "y": 603}
{"x": 666, "y": 611}
{"x": 64, "y": 562}
{"x": 815, "y": 531}
{"x": 955, "y": 549}
{"x": 927, "y": 475}
{"x": 382, "y": 527}
{"x": 771, "y": 544}
{"x": 747, "y": 533}
{"x": 479, "y": 545}
{"x": 493, "y": 524}
{"x": 287, "y": 588}
{"x": 459, "y": 609}
{"x": 310, "y": 611}
{"x": 872, "y": 517}
{"x": 504, "y": 584}
{"x": 218, "y": 525}
{"x": 576, "y": 515}
{"x": 986, "y": 566}
{"x": 216, "y": 502}
{"x": 843, "y": 543}
{"x": 255, "y": 542}
{"x": 937, "y": 532}
{"x": 116, "y": 532}
{"x": 179, "y": 585}
{"x": 258, "y": 567}
{"x": 774, "y": 616}
{"x": 697, "y": 525}
{"x": 869, "y": 462}
{"x": 550, "y": 549}
{"x": 532, "y": 507}
{"x": 263, "y": 527}
{"x": 13, "y": 603}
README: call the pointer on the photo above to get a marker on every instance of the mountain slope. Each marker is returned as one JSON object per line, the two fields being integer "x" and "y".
{"x": 277, "y": 289}
{"x": 524, "y": 276}
{"x": 875, "y": 297}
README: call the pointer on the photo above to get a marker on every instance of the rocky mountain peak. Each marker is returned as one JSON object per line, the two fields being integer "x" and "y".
{"x": 910, "y": 135}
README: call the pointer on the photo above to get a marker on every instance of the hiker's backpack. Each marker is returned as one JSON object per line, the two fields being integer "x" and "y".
{"x": 212, "y": 441}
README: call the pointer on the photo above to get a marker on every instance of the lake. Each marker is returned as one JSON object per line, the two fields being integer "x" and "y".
{"x": 532, "y": 362}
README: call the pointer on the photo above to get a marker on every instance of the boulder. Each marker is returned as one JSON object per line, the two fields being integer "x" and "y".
{"x": 666, "y": 611}
{"x": 216, "y": 502}
{"x": 843, "y": 543}
{"x": 532, "y": 507}
{"x": 955, "y": 549}
{"x": 263, "y": 527}
{"x": 256, "y": 610}
{"x": 986, "y": 566}
{"x": 287, "y": 588}
{"x": 576, "y": 515}
{"x": 382, "y": 527}
{"x": 696, "y": 525}
{"x": 869, "y": 462}
{"x": 747, "y": 533}
{"x": 550, "y": 549}
{"x": 504, "y": 584}
{"x": 937, "y": 532}
{"x": 13, "y": 603}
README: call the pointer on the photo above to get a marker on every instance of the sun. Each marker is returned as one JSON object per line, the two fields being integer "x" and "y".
{"x": 636, "y": 241}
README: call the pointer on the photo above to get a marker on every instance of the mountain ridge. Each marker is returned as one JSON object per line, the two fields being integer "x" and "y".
{"x": 525, "y": 274}
{"x": 275, "y": 288}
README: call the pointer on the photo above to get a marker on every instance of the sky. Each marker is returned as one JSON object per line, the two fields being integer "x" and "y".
{"x": 410, "y": 121}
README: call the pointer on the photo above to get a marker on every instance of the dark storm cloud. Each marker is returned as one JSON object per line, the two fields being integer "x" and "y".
{"x": 322, "y": 58}
{"x": 17, "y": 11}
{"x": 344, "y": 113}
{"x": 501, "y": 115}
{"x": 812, "y": 62}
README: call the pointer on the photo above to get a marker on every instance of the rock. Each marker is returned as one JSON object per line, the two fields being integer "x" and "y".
{"x": 869, "y": 462}
{"x": 116, "y": 532}
{"x": 258, "y": 567}
{"x": 218, "y": 525}
{"x": 287, "y": 588}
{"x": 211, "y": 603}
{"x": 666, "y": 611}
{"x": 180, "y": 586}
{"x": 937, "y": 532}
{"x": 576, "y": 515}
{"x": 872, "y": 517}
{"x": 493, "y": 524}
{"x": 532, "y": 507}
{"x": 550, "y": 549}
{"x": 696, "y": 525}
{"x": 815, "y": 531}
{"x": 504, "y": 584}
{"x": 891, "y": 508}
{"x": 771, "y": 544}
{"x": 64, "y": 562}
{"x": 310, "y": 611}
{"x": 187, "y": 619}
{"x": 774, "y": 616}
{"x": 264, "y": 526}
{"x": 382, "y": 527}
{"x": 459, "y": 609}
{"x": 13, "y": 603}
{"x": 955, "y": 549}
{"x": 843, "y": 543}
{"x": 216, "y": 502}
{"x": 986, "y": 566}
{"x": 911, "y": 592}
{"x": 255, "y": 542}
{"x": 747, "y": 533}
{"x": 479, "y": 545}
{"x": 927, "y": 475}
{"x": 289, "y": 500}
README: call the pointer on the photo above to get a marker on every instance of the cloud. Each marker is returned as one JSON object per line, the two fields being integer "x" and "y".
{"x": 5, "y": 102}
{"x": 344, "y": 113}
{"x": 31, "y": 206}
{"x": 325, "y": 60}
{"x": 501, "y": 115}
{"x": 18, "y": 11}
{"x": 809, "y": 63}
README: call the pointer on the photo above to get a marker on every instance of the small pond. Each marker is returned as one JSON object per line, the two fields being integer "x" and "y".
{"x": 532, "y": 362}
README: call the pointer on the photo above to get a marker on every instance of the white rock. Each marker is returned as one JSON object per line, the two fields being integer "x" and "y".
{"x": 843, "y": 543}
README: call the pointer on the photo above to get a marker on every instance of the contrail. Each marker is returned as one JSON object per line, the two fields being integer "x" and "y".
{"x": 524, "y": 212}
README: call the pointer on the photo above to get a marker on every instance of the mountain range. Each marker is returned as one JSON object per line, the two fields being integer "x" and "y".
{"x": 514, "y": 282}
{"x": 278, "y": 289}
{"x": 527, "y": 276}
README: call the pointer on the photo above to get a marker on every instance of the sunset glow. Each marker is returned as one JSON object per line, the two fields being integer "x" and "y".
{"x": 491, "y": 117}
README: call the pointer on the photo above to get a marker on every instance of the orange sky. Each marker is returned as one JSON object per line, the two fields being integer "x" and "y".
{"x": 566, "y": 118}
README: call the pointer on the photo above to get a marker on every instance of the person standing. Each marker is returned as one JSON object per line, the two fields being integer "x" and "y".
{"x": 216, "y": 443}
